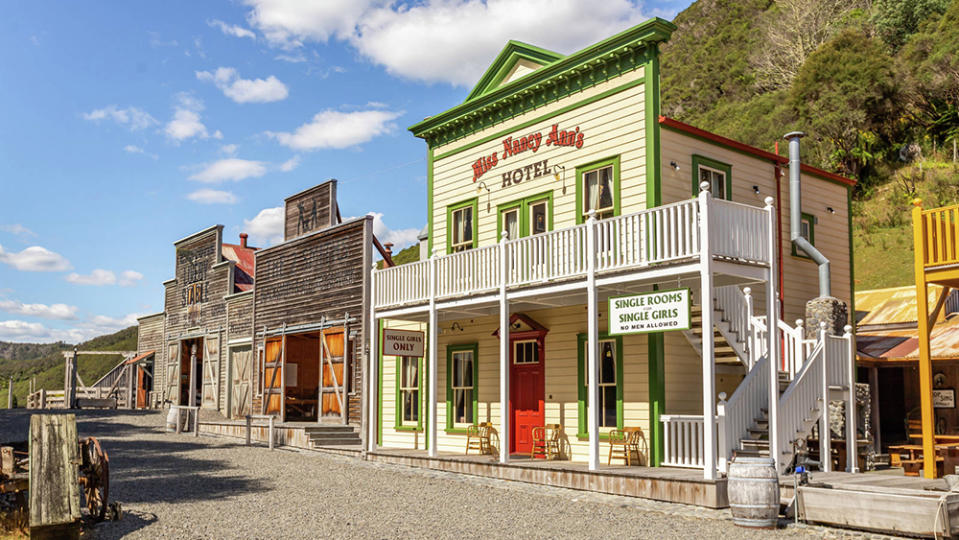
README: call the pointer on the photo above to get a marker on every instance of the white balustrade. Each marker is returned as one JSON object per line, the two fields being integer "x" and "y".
{"x": 799, "y": 400}
{"x": 468, "y": 272}
{"x": 738, "y": 414}
{"x": 683, "y": 440}
{"x": 407, "y": 283}
{"x": 739, "y": 231}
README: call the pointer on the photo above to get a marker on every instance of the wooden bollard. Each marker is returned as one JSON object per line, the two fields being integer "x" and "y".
{"x": 249, "y": 428}
{"x": 271, "y": 433}
{"x": 6, "y": 460}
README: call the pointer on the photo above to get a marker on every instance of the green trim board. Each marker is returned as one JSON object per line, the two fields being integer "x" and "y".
{"x": 379, "y": 385}
{"x": 591, "y": 166}
{"x": 725, "y": 168}
{"x": 543, "y": 118}
{"x": 595, "y": 64}
{"x": 654, "y": 190}
{"x": 506, "y": 60}
{"x": 397, "y": 416}
{"x": 656, "y": 348}
{"x": 811, "y": 219}
{"x": 523, "y": 206}
{"x": 582, "y": 398}
{"x": 450, "y": 349}
{"x": 474, "y": 203}
{"x": 852, "y": 272}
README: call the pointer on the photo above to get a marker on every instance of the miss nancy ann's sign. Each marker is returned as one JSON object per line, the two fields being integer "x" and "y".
{"x": 657, "y": 311}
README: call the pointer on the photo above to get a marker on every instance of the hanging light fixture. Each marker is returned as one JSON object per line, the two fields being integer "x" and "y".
{"x": 560, "y": 175}
{"x": 479, "y": 189}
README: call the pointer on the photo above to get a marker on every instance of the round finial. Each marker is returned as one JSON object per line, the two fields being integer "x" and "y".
{"x": 769, "y": 201}
{"x": 822, "y": 324}
{"x": 591, "y": 215}
{"x": 504, "y": 235}
{"x": 799, "y": 322}
{"x": 722, "y": 396}
{"x": 747, "y": 291}
{"x": 704, "y": 186}
{"x": 847, "y": 329}
{"x": 436, "y": 252}
{"x": 917, "y": 202}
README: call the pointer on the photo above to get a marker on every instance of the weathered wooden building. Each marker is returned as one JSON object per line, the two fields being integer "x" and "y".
{"x": 149, "y": 344}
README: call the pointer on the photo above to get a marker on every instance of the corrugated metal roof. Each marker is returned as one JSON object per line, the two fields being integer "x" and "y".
{"x": 895, "y": 305}
{"x": 903, "y": 345}
{"x": 244, "y": 259}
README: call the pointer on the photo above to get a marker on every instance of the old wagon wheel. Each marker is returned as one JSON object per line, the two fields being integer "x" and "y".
{"x": 95, "y": 477}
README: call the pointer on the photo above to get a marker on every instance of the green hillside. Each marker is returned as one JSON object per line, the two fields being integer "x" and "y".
{"x": 48, "y": 364}
{"x": 874, "y": 84}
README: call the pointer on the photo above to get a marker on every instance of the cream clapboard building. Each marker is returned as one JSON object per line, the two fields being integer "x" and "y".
{"x": 541, "y": 145}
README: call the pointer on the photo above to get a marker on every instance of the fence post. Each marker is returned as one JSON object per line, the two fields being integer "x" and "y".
{"x": 196, "y": 422}
{"x": 271, "y": 432}
{"x": 722, "y": 458}
{"x": 249, "y": 428}
{"x": 852, "y": 446}
{"x": 504, "y": 344}
{"x": 10, "y": 394}
{"x": 749, "y": 338}
{"x": 43, "y": 398}
{"x": 592, "y": 343}
{"x": 179, "y": 427}
{"x": 825, "y": 442}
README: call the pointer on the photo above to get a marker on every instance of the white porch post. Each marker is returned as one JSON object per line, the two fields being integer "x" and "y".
{"x": 433, "y": 331}
{"x": 772, "y": 333}
{"x": 825, "y": 435}
{"x": 852, "y": 448}
{"x": 709, "y": 362}
{"x": 874, "y": 409}
{"x": 592, "y": 344}
{"x": 504, "y": 364}
{"x": 372, "y": 368}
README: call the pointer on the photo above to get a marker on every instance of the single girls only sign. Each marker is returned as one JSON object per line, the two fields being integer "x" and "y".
{"x": 403, "y": 343}
{"x": 657, "y": 311}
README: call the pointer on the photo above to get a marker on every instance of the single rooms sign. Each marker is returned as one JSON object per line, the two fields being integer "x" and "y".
{"x": 402, "y": 343}
{"x": 649, "y": 312}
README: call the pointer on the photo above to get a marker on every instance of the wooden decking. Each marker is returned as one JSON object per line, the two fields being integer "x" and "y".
{"x": 658, "y": 483}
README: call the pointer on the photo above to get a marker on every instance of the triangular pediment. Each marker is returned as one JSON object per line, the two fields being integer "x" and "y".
{"x": 515, "y": 61}
{"x": 520, "y": 323}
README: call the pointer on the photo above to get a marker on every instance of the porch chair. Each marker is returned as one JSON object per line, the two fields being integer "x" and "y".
{"x": 636, "y": 440}
{"x": 546, "y": 441}
{"x": 619, "y": 446}
{"x": 477, "y": 438}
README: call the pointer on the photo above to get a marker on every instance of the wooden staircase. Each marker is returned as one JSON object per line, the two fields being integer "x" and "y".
{"x": 724, "y": 351}
{"x": 333, "y": 435}
{"x": 757, "y": 443}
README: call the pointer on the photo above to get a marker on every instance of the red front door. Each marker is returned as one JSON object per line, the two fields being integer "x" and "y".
{"x": 527, "y": 391}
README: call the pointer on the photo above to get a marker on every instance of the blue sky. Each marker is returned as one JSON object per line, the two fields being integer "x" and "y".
{"x": 129, "y": 125}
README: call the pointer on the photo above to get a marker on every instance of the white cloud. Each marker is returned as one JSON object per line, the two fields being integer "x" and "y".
{"x": 234, "y": 169}
{"x": 267, "y": 227}
{"x": 22, "y": 329}
{"x": 231, "y": 29}
{"x": 52, "y": 311}
{"x": 334, "y": 129}
{"x": 98, "y": 325}
{"x": 290, "y": 58}
{"x": 449, "y": 41}
{"x": 229, "y": 149}
{"x": 290, "y": 164}
{"x": 17, "y": 229}
{"x": 186, "y": 122}
{"x": 131, "y": 117}
{"x": 400, "y": 238}
{"x": 134, "y": 149}
{"x": 97, "y": 278}
{"x": 129, "y": 278}
{"x": 245, "y": 90}
{"x": 212, "y": 196}
{"x": 35, "y": 259}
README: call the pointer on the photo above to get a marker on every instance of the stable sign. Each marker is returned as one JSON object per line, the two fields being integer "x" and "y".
{"x": 657, "y": 311}
{"x": 403, "y": 343}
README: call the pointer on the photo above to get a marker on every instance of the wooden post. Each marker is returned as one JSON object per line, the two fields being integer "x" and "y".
{"x": 249, "y": 429}
{"x": 191, "y": 393}
{"x": 179, "y": 424}
{"x": 196, "y": 421}
{"x": 925, "y": 359}
{"x": 874, "y": 408}
{"x": 433, "y": 344}
{"x": 708, "y": 341}
{"x": 772, "y": 334}
{"x": 55, "y": 494}
{"x": 271, "y": 432}
{"x": 6, "y": 460}
{"x": 504, "y": 363}
{"x": 10, "y": 394}
{"x": 825, "y": 434}
{"x": 592, "y": 344}
{"x": 43, "y": 398}
{"x": 347, "y": 357}
{"x": 372, "y": 369}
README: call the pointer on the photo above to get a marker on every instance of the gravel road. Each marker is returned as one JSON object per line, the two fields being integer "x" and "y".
{"x": 178, "y": 486}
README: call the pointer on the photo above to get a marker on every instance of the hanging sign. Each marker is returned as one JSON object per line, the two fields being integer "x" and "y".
{"x": 403, "y": 343}
{"x": 513, "y": 146}
{"x": 944, "y": 398}
{"x": 657, "y": 311}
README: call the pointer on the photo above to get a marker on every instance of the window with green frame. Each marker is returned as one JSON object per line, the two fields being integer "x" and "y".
{"x": 719, "y": 175}
{"x": 807, "y": 229}
{"x": 610, "y": 384}
{"x": 462, "y": 403}
{"x": 461, "y": 225}
{"x": 597, "y": 188}
{"x": 525, "y": 217}
{"x": 409, "y": 393}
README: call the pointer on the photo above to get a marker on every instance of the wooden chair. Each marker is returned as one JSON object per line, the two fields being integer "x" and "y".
{"x": 546, "y": 441}
{"x": 619, "y": 446}
{"x": 477, "y": 438}
{"x": 636, "y": 440}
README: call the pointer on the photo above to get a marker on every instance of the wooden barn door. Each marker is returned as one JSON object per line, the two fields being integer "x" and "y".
{"x": 333, "y": 359}
{"x": 274, "y": 389}
{"x": 241, "y": 358}
{"x": 172, "y": 391}
{"x": 211, "y": 372}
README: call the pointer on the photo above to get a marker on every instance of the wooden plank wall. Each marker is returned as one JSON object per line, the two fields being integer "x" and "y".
{"x": 310, "y": 210}
{"x": 150, "y": 334}
{"x": 54, "y": 455}
{"x": 323, "y": 274}
{"x": 239, "y": 316}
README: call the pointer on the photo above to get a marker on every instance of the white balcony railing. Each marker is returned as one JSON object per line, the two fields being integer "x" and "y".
{"x": 666, "y": 234}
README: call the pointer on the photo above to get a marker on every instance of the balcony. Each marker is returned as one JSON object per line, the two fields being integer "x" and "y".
{"x": 657, "y": 238}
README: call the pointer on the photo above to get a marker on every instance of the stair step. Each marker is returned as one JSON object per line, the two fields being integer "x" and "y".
{"x": 750, "y": 453}
{"x": 754, "y": 443}
{"x": 332, "y": 428}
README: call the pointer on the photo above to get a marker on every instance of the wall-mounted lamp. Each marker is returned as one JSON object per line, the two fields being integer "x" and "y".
{"x": 756, "y": 190}
{"x": 674, "y": 165}
{"x": 558, "y": 175}
{"x": 455, "y": 326}
{"x": 830, "y": 209}
{"x": 479, "y": 188}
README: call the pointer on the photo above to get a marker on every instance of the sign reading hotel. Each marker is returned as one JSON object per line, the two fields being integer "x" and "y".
{"x": 513, "y": 146}
{"x": 403, "y": 343}
{"x": 657, "y": 311}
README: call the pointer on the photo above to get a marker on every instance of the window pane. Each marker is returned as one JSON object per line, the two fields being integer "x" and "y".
{"x": 468, "y": 225}
{"x": 608, "y": 413}
{"x": 468, "y": 399}
{"x": 606, "y": 188}
{"x": 459, "y": 406}
{"x": 718, "y": 185}
{"x": 468, "y": 369}
{"x": 607, "y": 357}
{"x": 511, "y": 223}
{"x": 804, "y": 229}
{"x": 537, "y": 218}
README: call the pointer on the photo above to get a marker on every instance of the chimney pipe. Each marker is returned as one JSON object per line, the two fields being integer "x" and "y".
{"x": 388, "y": 247}
{"x": 795, "y": 214}
{"x": 243, "y": 237}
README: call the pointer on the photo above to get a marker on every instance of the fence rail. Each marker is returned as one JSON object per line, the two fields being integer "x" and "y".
{"x": 683, "y": 440}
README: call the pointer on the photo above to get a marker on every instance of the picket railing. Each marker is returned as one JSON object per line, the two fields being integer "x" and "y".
{"x": 683, "y": 440}
{"x": 940, "y": 236}
{"x": 801, "y": 398}
{"x": 664, "y": 234}
{"x": 737, "y": 415}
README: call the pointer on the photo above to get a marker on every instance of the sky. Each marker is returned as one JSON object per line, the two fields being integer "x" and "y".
{"x": 125, "y": 126}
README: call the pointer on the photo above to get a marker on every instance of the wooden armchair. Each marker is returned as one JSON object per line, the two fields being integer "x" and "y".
{"x": 623, "y": 443}
{"x": 546, "y": 440}
{"x": 478, "y": 438}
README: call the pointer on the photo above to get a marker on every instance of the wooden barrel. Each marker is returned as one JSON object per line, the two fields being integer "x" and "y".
{"x": 753, "y": 490}
{"x": 171, "y": 420}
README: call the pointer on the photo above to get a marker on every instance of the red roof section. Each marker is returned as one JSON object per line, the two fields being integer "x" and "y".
{"x": 742, "y": 147}
{"x": 244, "y": 271}
{"x": 136, "y": 359}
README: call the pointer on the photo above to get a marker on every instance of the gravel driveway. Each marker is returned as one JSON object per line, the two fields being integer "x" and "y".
{"x": 178, "y": 486}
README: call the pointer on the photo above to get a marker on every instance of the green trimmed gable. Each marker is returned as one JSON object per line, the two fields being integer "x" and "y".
{"x": 515, "y": 54}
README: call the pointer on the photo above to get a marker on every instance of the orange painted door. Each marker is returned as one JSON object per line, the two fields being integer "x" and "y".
{"x": 273, "y": 389}
{"x": 527, "y": 403}
{"x": 333, "y": 353}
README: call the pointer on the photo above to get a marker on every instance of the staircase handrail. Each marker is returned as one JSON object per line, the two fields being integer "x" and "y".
{"x": 803, "y": 395}
{"x": 737, "y": 307}
{"x": 737, "y": 415}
